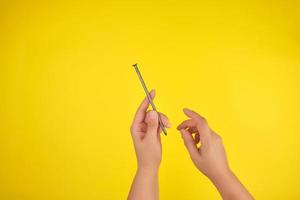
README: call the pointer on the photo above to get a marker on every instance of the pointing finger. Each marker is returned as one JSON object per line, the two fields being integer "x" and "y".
{"x": 141, "y": 111}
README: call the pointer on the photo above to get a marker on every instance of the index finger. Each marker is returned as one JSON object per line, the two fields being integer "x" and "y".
{"x": 201, "y": 123}
{"x": 193, "y": 114}
{"x": 142, "y": 109}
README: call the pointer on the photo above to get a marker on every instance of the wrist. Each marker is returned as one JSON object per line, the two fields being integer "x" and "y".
{"x": 148, "y": 171}
{"x": 225, "y": 174}
{"x": 225, "y": 177}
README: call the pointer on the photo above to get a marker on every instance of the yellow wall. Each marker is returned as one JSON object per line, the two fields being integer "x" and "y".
{"x": 68, "y": 93}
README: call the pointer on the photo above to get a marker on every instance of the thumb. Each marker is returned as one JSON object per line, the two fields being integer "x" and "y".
{"x": 189, "y": 144}
{"x": 152, "y": 122}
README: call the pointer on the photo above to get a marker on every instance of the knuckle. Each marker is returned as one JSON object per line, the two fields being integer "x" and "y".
{"x": 218, "y": 138}
{"x": 186, "y": 143}
{"x": 195, "y": 159}
{"x": 131, "y": 129}
{"x": 202, "y": 120}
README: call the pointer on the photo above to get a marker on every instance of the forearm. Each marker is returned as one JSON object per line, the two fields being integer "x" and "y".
{"x": 230, "y": 187}
{"x": 145, "y": 185}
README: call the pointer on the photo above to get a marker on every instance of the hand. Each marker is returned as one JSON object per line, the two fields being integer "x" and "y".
{"x": 145, "y": 133}
{"x": 209, "y": 157}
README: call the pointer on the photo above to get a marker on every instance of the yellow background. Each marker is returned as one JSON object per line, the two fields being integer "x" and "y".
{"x": 68, "y": 93}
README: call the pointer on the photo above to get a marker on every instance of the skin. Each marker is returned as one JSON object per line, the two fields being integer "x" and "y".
{"x": 210, "y": 157}
{"x": 204, "y": 146}
{"x": 145, "y": 134}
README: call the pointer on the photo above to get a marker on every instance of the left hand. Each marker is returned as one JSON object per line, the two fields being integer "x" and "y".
{"x": 145, "y": 133}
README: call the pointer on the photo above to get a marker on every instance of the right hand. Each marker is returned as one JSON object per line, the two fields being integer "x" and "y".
{"x": 210, "y": 157}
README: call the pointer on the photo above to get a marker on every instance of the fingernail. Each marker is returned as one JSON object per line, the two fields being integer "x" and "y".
{"x": 185, "y": 109}
{"x": 152, "y": 93}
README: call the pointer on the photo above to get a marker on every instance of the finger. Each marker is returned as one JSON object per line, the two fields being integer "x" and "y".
{"x": 197, "y": 138}
{"x": 189, "y": 143}
{"x": 201, "y": 123}
{"x": 138, "y": 131}
{"x": 190, "y": 126}
{"x": 142, "y": 127}
{"x": 192, "y": 114}
{"x": 152, "y": 123}
{"x": 142, "y": 109}
{"x": 193, "y": 130}
{"x": 165, "y": 120}
{"x": 187, "y": 124}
